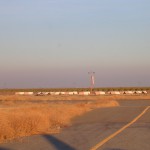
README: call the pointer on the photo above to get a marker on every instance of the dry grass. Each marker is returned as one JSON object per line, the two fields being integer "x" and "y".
{"x": 75, "y": 97}
{"x": 28, "y": 119}
{"x": 129, "y": 97}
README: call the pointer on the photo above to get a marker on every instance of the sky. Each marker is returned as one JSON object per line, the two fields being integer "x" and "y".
{"x": 55, "y": 43}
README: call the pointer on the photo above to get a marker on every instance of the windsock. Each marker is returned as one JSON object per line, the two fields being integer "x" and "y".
{"x": 92, "y": 80}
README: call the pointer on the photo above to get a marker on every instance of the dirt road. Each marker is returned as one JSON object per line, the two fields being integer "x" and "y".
{"x": 94, "y": 129}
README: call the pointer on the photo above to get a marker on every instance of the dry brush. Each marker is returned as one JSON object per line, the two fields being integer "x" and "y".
{"x": 29, "y": 119}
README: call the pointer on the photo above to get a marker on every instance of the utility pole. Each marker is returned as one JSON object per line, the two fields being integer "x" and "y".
{"x": 92, "y": 81}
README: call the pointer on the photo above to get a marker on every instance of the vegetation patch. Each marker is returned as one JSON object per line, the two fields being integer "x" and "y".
{"x": 25, "y": 119}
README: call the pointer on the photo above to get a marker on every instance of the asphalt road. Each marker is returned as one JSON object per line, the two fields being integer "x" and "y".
{"x": 94, "y": 127}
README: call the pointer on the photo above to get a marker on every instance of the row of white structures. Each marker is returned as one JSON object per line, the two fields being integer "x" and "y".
{"x": 83, "y": 93}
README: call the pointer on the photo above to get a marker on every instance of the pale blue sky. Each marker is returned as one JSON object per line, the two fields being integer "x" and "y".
{"x": 55, "y": 43}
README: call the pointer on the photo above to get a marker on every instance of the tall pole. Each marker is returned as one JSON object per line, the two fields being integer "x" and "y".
{"x": 92, "y": 81}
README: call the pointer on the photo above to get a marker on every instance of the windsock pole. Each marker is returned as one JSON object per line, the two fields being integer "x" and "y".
{"x": 92, "y": 81}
